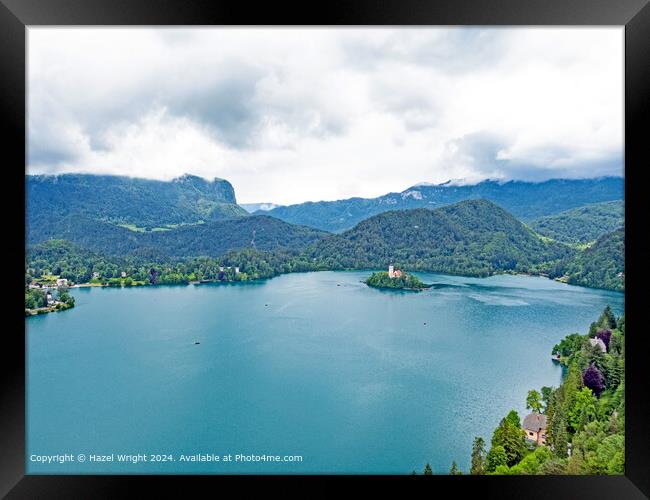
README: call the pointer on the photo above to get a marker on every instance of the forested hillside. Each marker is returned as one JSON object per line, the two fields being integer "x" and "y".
{"x": 209, "y": 239}
{"x": 473, "y": 237}
{"x": 143, "y": 203}
{"x": 600, "y": 266}
{"x": 583, "y": 224}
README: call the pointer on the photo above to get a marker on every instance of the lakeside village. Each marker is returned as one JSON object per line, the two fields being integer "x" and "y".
{"x": 47, "y": 296}
{"x": 49, "y": 293}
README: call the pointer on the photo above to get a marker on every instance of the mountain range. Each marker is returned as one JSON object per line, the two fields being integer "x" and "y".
{"x": 191, "y": 217}
{"x": 139, "y": 203}
{"x": 525, "y": 200}
{"x": 262, "y": 207}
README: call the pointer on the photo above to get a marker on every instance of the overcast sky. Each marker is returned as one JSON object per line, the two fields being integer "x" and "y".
{"x": 290, "y": 115}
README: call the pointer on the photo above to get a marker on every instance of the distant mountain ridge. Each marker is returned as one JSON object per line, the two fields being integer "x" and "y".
{"x": 525, "y": 200}
{"x": 262, "y": 207}
{"x": 126, "y": 200}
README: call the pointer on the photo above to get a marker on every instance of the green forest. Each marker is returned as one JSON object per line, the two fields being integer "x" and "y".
{"x": 585, "y": 415}
{"x": 69, "y": 261}
{"x": 602, "y": 265}
{"x": 581, "y": 225}
{"x": 471, "y": 238}
{"x": 213, "y": 238}
{"x": 126, "y": 200}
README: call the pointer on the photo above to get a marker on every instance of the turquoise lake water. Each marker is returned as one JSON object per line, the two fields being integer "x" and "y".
{"x": 315, "y": 364}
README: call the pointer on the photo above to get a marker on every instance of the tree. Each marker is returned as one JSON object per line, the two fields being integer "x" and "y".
{"x": 605, "y": 336}
{"x": 596, "y": 452}
{"x": 495, "y": 457}
{"x": 569, "y": 345}
{"x": 427, "y": 470}
{"x": 534, "y": 401}
{"x": 478, "y": 456}
{"x": 511, "y": 437}
{"x": 153, "y": 276}
{"x": 548, "y": 393}
{"x": 532, "y": 463}
{"x": 560, "y": 437}
{"x": 584, "y": 409}
{"x": 615, "y": 371}
{"x": 607, "y": 319}
{"x": 593, "y": 378}
{"x": 455, "y": 471}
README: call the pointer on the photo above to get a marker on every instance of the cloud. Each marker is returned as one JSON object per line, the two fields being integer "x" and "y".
{"x": 289, "y": 115}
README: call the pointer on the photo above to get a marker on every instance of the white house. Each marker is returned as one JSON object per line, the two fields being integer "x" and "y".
{"x": 61, "y": 282}
{"x": 391, "y": 271}
{"x": 596, "y": 342}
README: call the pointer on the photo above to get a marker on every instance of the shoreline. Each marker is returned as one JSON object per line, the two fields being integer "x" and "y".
{"x": 562, "y": 280}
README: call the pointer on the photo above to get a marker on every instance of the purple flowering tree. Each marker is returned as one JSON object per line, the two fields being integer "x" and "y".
{"x": 593, "y": 378}
{"x": 605, "y": 336}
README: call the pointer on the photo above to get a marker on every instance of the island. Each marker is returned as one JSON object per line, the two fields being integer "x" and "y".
{"x": 396, "y": 279}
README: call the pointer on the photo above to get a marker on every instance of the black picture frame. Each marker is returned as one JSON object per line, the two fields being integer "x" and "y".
{"x": 16, "y": 15}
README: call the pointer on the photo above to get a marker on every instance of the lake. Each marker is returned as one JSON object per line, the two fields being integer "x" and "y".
{"x": 317, "y": 365}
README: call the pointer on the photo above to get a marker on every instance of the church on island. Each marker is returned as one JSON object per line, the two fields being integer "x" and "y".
{"x": 394, "y": 273}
